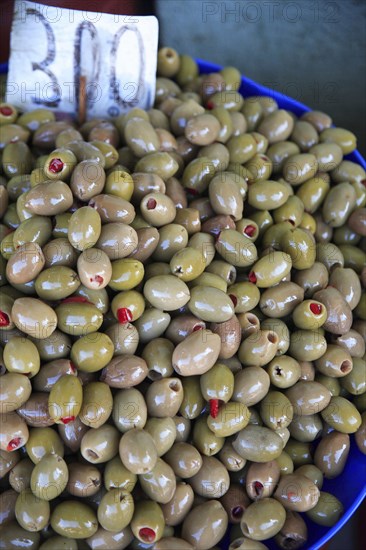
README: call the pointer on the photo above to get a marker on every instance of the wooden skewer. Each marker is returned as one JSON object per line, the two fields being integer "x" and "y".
{"x": 82, "y": 100}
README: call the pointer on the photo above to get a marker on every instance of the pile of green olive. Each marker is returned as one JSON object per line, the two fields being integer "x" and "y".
{"x": 182, "y": 320}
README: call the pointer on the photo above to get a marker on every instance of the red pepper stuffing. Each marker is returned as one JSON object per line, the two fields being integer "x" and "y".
{"x": 67, "y": 419}
{"x": 316, "y": 309}
{"x": 214, "y": 407}
{"x": 234, "y": 299}
{"x": 56, "y": 165}
{"x": 4, "y": 319}
{"x": 97, "y": 279}
{"x": 249, "y": 230}
{"x": 124, "y": 315}
{"x": 252, "y": 277}
{"x": 14, "y": 444}
{"x": 6, "y": 111}
{"x": 147, "y": 534}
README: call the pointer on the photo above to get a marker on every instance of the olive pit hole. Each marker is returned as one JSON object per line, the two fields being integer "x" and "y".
{"x": 346, "y": 366}
{"x": 174, "y": 385}
{"x": 272, "y": 337}
{"x": 258, "y": 488}
{"x": 151, "y": 204}
{"x": 252, "y": 319}
{"x": 92, "y": 454}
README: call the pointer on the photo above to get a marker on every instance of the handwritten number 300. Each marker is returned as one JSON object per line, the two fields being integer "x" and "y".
{"x": 113, "y": 83}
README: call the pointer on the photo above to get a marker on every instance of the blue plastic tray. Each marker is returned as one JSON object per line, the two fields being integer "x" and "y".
{"x": 350, "y": 487}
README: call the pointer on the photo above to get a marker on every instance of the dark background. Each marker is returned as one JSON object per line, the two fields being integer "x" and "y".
{"x": 313, "y": 50}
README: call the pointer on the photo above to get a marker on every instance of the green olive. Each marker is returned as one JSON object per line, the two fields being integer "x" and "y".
{"x": 124, "y": 371}
{"x": 116, "y": 476}
{"x": 205, "y": 525}
{"x": 236, "y": 248}
{"x": 19, "y": 477}
{"x": 56, "y": 283}
{"x": 97, "y": 404}
{"x": 92, "y": 352}
{"x": 84, "y": 479}
{"x": 205, "y": 440}
{"x": 65, "y": 399}
{"x": 307, "y": 345}
{"x": 187, "y": 264}
{"x": 300, "y": 246}
{"x": 297, "y": 493}
{"x": 74, "y": 519}
{"x": 299, "y": 168}
{"x": 49, "y": 477}
{"x": 100, "y": 445}
{"x": 12, "y": 534}
{"x": 84, "y": 228}
{"x": 119, "y": 183}
{"x": 342, "y": 415}
{"x": 34, "y": 317}
{"x": 78, "y": 318}
{"x": 299, "y": 452}
{"x": 148, "y": 521}
{"x": 21, "y": 356}
{"x": 267, "y": 195}
{"x": 276, "y": 410}
{"x": 36, "y": 230}
{"x": 159, "y": 484}
{"x": 43, "y": 441}
{"x": 115, "y": 510}
{"x": 263, "y": 519}
{"x": 258, "y": 444}
{"x": 284, "y": 371}
{"x": 270, "y": 269}
{"x": 327, "y": 511}
{"x": 231, "y": 418}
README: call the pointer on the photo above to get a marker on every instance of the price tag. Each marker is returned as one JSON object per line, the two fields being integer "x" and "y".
{"x": 52, "y": 48}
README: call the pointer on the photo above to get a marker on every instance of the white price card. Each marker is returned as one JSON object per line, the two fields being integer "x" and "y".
{"x": 51, "y": 48}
